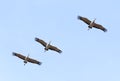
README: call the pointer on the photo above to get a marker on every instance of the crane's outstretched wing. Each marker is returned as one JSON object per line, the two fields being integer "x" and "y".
{"x": 34, "y": 61}
{"x": 100, "y": 27}
{"x": 19, "y": 55}
{"x": 28, "y": 59}
{"x": 87, "y": 21}
{"x": 55, "y": 49}
{"x": 41, "y": 41}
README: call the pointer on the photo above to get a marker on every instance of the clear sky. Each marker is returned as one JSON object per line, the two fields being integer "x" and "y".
{"x": 87, "y": 55}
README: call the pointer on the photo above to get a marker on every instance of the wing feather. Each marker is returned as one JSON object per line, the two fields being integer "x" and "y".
{"x": 28, "y": 59}
{"x": 99, "y": 27}
{"x": 34, "y": 61}
{"x": 55, "y": 49}
{"x": 41, "y": 41}
{"x": 19, "y": 55}
{"x": 87, "y": 21}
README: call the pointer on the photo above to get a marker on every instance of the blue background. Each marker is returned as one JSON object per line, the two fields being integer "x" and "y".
{"x": 87, "y": 55}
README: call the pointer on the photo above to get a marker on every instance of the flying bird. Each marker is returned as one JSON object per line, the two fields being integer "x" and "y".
{"x": 26, "y": 59}
{"x": 48, "y": 45}
{"x": 92, "y": 24}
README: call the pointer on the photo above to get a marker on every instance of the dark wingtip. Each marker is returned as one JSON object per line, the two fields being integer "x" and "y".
{"x": 39, "y": 63}
{"x": 105, "y": 30}
{"x": 60, "y": 51}
{"x": 13, "y": 53}
{"x": 36, "y": 39}
{"x": 79, "y": 17}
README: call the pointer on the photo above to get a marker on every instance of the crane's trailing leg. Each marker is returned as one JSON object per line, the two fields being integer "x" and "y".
{"x": 45, "y": 50}
{"x": 89, "y": 27}
{"x": 25, "y": 61}
{"x": 91, "y": 24}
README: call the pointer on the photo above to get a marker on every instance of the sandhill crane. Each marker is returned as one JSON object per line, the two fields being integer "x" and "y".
{"x": 26, "y": 58}
{"x": 48, "y": 45}
{"x": 92, "y": 23}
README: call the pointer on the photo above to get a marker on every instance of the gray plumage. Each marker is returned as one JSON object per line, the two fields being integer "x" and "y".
{"x": 51, "y": 47}
{"x": 95, "y": 25}
{"x": 27, "y": 59}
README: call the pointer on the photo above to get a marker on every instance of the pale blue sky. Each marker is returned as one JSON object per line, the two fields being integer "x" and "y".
{"x": 87, "y": 55}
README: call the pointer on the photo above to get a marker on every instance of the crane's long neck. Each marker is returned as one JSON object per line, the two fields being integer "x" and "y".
{"x": 27, "y": 57}
{"x": 47, "y": 46}
{"x": 25, "y": 61}
{"x": 92, "y": 23}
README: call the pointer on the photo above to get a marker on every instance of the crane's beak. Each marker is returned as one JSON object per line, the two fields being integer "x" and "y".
{"x": 49, "y": 42}
{"x": 28, "y": 55}
{"x": 94, "y": 20}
